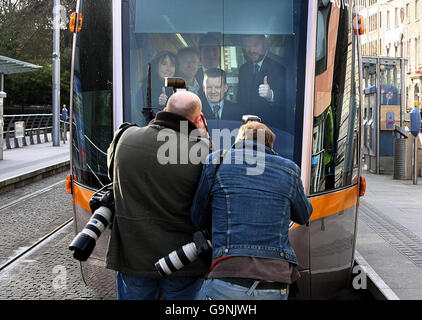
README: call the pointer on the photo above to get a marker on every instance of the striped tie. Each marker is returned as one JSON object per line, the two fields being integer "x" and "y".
{"x": 216, "y": 111}
{"x": 256, "y": 68}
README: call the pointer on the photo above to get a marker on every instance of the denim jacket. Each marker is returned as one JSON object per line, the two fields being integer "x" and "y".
{"x": 253, "y": 197}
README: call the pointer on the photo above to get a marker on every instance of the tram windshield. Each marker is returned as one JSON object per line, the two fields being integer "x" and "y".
{"x": 239, "y": 56}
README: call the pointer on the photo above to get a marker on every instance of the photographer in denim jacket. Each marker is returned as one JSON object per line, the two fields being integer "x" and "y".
{"x": 250, "y": 202}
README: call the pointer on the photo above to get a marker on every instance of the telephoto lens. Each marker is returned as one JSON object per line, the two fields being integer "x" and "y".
{"x": 84, "y": 242}
{"x": 103, "y": 208}
{"x": 179, "y": 258}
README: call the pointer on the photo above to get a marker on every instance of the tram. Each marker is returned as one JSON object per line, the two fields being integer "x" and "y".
{"x": 317, "y": 122}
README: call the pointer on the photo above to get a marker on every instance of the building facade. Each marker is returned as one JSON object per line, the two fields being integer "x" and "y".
{"x": 393, "y": 29}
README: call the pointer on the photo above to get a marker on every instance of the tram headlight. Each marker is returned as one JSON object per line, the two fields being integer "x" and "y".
{"x": 102, "y": 207}
{"x": 179, "y": 258}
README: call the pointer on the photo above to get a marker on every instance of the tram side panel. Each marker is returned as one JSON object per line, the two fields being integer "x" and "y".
{"x": 299, "y": 238}
{"x": 334, "y": 173}
{"x": 94, "y": 274}
{"x": 91, "y": 113}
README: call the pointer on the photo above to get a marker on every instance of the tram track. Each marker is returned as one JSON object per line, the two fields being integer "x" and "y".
{"x": 28, "y": 242}
{"x": 30, "y": 196}
{"x": 34, "y": 246}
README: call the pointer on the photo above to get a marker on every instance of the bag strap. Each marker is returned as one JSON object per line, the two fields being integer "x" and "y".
{"x": 222, "y": 155}
{"x": 123, "y": 127}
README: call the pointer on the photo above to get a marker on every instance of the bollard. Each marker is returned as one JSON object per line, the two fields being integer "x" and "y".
{"x": 415, "y": 128}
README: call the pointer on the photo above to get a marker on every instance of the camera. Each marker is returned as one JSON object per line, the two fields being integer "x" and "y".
{"x": 250, "y": 117}
{"x": 102, "y": 207}
{"x": 176, "y": 83}
{"x": 179, "y": 258}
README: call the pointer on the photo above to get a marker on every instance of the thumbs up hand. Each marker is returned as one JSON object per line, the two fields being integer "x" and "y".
{"x": 264, "y": 90}
{"x": 162, "y": 99}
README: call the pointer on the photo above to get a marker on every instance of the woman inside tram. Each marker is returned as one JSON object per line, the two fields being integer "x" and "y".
{"x": 162, "y": 65}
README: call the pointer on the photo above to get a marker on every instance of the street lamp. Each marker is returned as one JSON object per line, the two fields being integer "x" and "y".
{"x": 56, "y": 74}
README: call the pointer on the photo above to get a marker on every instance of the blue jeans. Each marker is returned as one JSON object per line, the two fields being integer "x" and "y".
{"x": 215, "y": 289}
{"x": 134, "y": 288}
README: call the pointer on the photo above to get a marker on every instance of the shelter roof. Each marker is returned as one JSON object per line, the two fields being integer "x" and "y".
{"x": 10, "y": 66}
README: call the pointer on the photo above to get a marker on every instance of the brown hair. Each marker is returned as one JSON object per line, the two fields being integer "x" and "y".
{"x": 249, "y": 131}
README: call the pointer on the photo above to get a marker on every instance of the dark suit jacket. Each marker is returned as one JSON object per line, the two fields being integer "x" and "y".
{"x": 231, "y": 111}
{"x": 248, "y": 96}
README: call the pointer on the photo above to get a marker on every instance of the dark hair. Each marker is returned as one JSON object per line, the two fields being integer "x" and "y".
{"x": 209, "y": 40}
{"x": 156, "y": 82}
{"x": 216, "y": 73}
{"x": 159, "y": 57}
{"x": 259, "y": 36}
{"x": 187, "y": 50}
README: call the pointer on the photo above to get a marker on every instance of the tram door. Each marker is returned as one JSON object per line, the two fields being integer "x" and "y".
{"x": 335, "y": 161}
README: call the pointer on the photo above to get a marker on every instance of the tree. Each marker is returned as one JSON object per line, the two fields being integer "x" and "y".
{"x": 26, "y": 33}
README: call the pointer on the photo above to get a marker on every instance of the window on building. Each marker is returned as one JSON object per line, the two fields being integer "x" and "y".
{"x": 417, "y": 3}
{"x": 388, "y": 19}
{"x": 402, "y": 46}
{"x": 396, "y": 17}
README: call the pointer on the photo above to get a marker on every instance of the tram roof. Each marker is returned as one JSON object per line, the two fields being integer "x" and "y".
{"x": 11, "y": 66}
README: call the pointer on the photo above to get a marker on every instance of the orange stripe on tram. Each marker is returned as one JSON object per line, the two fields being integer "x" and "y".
{"x": 82, "y": 196}
{"x": 328, "y": 204}
{"x": 323, "y": 206}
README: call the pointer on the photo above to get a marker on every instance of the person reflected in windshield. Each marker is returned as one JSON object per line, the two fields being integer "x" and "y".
{"x": 162, "y": 65}
{"x": 210, "y": 54}
{"x": 187, "y": 67}
{"x": 215, "y": 106}
{"x": 262, "y": 80}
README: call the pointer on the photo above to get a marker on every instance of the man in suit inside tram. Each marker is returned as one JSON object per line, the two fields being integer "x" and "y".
{"x": 187, "y": 65}
{"x": 262, "y": 82}
{"x": 210, "y": 54}
{"x": 214, "y": 104}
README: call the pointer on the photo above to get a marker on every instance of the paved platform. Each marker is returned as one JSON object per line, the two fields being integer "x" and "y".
{"x": 22, "y": 164}
{"x": 390, "y": 234}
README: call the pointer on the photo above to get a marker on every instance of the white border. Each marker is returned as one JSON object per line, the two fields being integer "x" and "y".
{"x": 117, "y": 65}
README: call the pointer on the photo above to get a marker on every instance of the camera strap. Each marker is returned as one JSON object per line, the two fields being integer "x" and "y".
{"x": 112, "y": 149}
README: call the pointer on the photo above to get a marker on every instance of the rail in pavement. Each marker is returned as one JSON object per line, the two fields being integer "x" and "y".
{"x": 33, "y": 162}
{"x": 390, "y": 235}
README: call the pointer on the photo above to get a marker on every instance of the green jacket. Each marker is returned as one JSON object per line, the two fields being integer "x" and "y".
{"x": 153, "y": 199}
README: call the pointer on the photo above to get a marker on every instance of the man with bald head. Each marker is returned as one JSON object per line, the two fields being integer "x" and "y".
{"x": 153, "y": 199}
{"x": 185, "y": 104}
